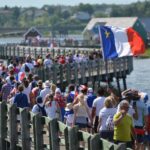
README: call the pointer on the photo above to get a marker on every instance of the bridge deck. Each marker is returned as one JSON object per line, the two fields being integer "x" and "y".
{"x": 91, "y": 70}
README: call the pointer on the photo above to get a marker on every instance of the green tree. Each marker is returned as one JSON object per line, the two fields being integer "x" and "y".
{"x": 65, "y": 14}
{"x": 16, "y": 13}
{"x": 86, "y": 8}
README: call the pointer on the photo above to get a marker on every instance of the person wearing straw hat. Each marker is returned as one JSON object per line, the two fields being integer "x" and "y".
{"x": 46, "y": 89}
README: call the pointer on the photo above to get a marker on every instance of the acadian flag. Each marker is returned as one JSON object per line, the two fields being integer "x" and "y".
{"x": 119, "y": 42}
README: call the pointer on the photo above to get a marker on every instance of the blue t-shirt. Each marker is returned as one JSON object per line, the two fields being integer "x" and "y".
{"x": 21, "y": 100}
{"x": 90, "y": 99}
{"x": 70, "y": 97}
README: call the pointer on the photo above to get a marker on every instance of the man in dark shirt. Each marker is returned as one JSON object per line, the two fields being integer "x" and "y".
{"x": 21, "y": 99}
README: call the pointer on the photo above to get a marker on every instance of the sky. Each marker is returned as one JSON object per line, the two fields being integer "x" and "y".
{"x": 40, "y": 3}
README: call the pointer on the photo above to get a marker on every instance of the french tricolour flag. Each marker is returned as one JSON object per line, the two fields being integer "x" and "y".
{"x": 20, "y": 76}
{"x": 119, "y": 42}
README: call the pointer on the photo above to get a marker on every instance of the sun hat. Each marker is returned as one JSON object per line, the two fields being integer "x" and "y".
{"x": 47, "y": 83}
{"x": 90, "y": 90}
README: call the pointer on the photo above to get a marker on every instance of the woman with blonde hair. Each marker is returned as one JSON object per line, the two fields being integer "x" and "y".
{"x": 105, "y": 127}
{"x": 81, "y": 113}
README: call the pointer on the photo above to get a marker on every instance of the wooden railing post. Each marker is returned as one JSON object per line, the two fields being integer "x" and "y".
{"x": 95, "y": 143}
{"x": 68, "y": 74}
{"x": 54, "y": 134}
{"x": 25, "y": 131}
{"x": 75, "y": 65}
{"x": 13, "y": 127}
{"x": 3, "y": 125}
{"x": 73, "y": 138}
{"x": 37, "y": 130}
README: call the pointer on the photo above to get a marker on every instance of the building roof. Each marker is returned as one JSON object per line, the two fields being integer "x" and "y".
{"x": 32, "y": 32}
{"x": 123, "y": 22}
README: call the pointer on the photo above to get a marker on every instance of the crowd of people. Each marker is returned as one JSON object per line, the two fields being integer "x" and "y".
{"x": 118, "y": 119}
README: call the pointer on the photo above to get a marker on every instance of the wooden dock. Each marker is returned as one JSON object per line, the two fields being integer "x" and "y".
{"x": 20, "y": 129}
{"x": 90, "y": 71}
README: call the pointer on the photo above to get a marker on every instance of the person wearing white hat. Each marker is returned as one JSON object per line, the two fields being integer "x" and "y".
{"x": 46, "y": 89}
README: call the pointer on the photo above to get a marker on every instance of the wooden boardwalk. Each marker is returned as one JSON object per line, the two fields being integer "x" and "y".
{"x": 22, "y": 130}
{"x": 89, "y": 71}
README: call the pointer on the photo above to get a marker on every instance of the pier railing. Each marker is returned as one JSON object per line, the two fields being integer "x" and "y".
{"x": 8, "y": 51}
{"x": 20, "y": 129}
{"x": 85, "y": 71}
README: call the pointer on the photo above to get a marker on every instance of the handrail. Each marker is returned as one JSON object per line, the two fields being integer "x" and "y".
{"x": 91, "y": 70}
{"x": 37, "y": 132}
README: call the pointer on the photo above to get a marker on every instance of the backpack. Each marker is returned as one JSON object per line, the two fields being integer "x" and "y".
{"x": 26, "y": 68}
{"x": 110, "y": 123}
{"x": 42, "y": 110}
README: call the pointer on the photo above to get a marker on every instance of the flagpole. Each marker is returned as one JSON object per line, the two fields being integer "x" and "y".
{"x": 105, "y": 60}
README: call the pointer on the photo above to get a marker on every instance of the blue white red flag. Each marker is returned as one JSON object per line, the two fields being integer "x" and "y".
{"x": 119, "y": 42}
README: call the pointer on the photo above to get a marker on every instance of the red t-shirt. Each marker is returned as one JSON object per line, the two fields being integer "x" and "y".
{"x": 60, "y": 100}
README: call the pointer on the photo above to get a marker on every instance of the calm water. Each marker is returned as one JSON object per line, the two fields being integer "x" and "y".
{"x": 138, "y": 79}
{"x": 10, "y": 40}
{"x": 140, "y": 76}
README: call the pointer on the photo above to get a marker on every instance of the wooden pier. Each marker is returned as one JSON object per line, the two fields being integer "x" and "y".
{"x": 20, "y": 129}
{"x": 91, "y": 71}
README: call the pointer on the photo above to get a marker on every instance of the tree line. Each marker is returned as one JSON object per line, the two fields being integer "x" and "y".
{"x": 58, "y": 15}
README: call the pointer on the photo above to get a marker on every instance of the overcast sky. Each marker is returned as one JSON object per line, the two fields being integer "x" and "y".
{"x": 40, "y": 3}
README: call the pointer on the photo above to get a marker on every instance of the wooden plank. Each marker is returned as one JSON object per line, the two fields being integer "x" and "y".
{"x": 106, "y": 145}
{"x": 37, "y": 131}
{"x": 61, "y": 126}
{"x": 73, "y": 138}
{"x": 95, "y": 142}
{"x": 84, "y": 135}
{"x": 54, "y": 134}
{"x": 25, "y": 132}
{"x": 3, "y": 125}
{"x": 13, "y": 127}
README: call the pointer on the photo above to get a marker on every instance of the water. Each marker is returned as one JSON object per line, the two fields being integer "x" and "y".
{"x": 139, "y": 78}
{"x": 11, "y": 40}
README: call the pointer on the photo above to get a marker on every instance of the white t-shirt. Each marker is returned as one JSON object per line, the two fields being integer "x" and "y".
{"x": 98, "y": 103}
{"x": 36, "y": 109}
{"x": 27, "y": 92}
{"x": 44, "y": 92}
{"x": 142, "y": 111}
{"x": 104, "y": 114}
{"x": 51, "y": 110}
{"x": 48, "y": 62}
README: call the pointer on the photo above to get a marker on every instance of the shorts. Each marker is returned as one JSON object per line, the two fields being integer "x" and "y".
{"x": 139, "y": 134}
{"x": 82, "y": 122}
{"x": 128, "y": 144}
{"x": 147, "y": 138}
{"x": 108, "y": 135}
